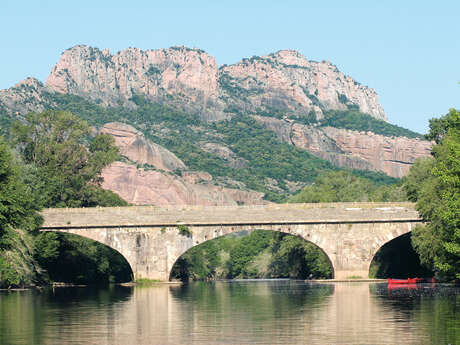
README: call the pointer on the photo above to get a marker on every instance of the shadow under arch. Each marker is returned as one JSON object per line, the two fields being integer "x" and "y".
{"x": 397, "y": 259}
{"x": 204, "y": 252}
{"x": 83, "y": 260}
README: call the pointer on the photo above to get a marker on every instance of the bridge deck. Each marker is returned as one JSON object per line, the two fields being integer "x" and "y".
{"x": 143, "y": 216}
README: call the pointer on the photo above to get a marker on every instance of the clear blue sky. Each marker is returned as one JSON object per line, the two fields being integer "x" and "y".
{"x": 408, "y": 51}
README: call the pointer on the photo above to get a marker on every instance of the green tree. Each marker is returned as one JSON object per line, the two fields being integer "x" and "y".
{"x": 438, "y": 199}
{"x": 344, "y": 186}
{"x": 242, "y": 254}
{"x": 419, "y": 174}
{"x": 293, "y": 257}
{"x": 67, "y": 162}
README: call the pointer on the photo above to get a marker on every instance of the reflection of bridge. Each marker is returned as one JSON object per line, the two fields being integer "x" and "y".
{"x": 149, "y": 238}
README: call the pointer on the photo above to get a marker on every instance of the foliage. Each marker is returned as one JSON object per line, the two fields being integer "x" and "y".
{"x": 184, "y": 230}
{"x": 243, "y": 253}
{"x": 68, "y": 173}
{"x": 240, "y": 255}
{"x": 18, "y": 266}
{"x": 439, "y": 128}
{"x": 199, "y": 263}
{"x": 144, "y": 282}
{"x": 17, "y": 207}
{"x": 438, "y": 199}
{"x": 18, "y": 220}
{"x": 343, "y": 186}
{"x": 293, "y": 257}
{"x": 419, "y": 174}
{"x": 357, "y": 121}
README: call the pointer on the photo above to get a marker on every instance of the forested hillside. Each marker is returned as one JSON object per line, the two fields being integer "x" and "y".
{"x": 272, "y": 167}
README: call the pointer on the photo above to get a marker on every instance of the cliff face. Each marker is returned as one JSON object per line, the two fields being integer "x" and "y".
{"x": 288, "y": 82}
{"x": 352, "y": 149}
{"x": 159, "y": 186}
{"x": 182, "y": 77}
{"x": 144, "y": 187}
{"x": 393, "y": 156}
{"x": 190, "y": 79}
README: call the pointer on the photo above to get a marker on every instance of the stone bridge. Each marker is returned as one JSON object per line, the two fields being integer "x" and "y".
{"x": 149, "y": 237}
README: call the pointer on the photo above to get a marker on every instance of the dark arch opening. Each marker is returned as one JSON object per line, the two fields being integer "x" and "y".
{"x": 74, "y": 259}
{"x": 397, "y": 259}
{"x": 253, "y": 254}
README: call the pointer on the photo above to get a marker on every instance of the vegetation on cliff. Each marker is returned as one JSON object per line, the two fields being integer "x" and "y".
{"x": 357, "y": 121}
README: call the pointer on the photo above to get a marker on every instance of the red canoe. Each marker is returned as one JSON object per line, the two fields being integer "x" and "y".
{"x": 405, "y": 281}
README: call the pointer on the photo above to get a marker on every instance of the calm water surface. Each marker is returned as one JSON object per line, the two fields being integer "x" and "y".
{"x": 237, "y": 312}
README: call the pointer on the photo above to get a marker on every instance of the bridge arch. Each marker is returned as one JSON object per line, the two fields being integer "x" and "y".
{"x": 384, "y": 238}
{"x": 398, "y": 259}
{"x": 218, "y": 235}
{"x": 100, "y": 241}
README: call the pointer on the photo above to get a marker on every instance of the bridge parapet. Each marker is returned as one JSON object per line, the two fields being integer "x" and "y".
{"x": 138, "y": 216}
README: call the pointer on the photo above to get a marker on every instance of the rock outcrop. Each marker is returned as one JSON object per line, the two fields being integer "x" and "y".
{"x": 189, "y": 79}
{"x": 137, "y": 148}
{"x": 276, "y": 90}
{"x": 149, "y": 187}
{"x": 393, "y": 156}
{"x": 225, "y": 153}
{"x": 351, "y": 149}
{"x": 155, "y": 184}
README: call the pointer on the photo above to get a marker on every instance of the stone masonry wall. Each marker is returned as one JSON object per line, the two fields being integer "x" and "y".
{"x": 151, "y": 242}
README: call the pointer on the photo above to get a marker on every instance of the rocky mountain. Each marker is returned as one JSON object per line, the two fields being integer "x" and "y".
{"x": 189, "y": 79}
{"x": 192, "y": 132}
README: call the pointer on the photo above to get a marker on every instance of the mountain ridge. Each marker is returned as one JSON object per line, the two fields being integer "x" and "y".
{"x": 189, "y": 79}
{"x": 261, "y": 128}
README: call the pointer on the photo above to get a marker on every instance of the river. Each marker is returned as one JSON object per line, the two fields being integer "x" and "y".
{"x": 233, "y": 312}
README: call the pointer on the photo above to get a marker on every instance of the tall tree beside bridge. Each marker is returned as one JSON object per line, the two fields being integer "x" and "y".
{"x": 435, "y": 186}
{"x": 63, "y": 164}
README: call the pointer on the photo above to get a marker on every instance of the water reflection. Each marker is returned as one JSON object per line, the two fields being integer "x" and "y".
{"x": 242, "y": 312}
